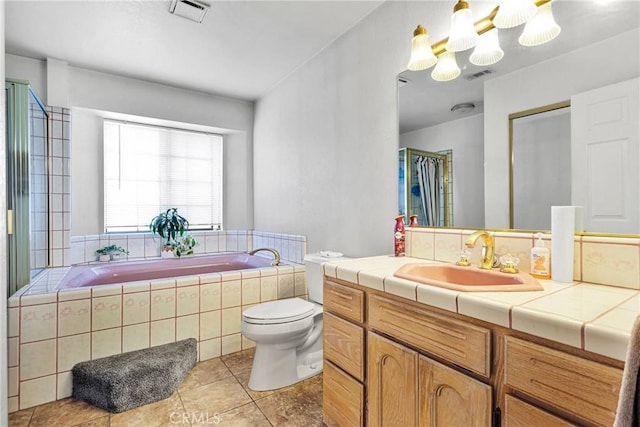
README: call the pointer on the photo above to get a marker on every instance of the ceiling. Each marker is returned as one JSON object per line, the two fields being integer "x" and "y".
{"x": 424, "y": 102}
{"x": 242, "y": 49}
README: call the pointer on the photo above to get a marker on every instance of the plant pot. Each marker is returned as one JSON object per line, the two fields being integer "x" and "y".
{"x": 104, "y": 258}
{"x": 115, "y": 256}
{"x": 167, "y": 252}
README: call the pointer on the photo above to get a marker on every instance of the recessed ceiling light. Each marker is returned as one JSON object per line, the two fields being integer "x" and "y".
{"x": 463, "y": 108}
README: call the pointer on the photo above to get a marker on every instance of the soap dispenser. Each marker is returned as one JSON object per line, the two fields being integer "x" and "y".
{"x": 540, "y": 259}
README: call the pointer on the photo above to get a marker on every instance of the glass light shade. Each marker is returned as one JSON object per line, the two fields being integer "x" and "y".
{"x": 512, "y": 13}
{"x": 463, "y": 34}
{"x": 446, "y": 68}
{"x": 422, "y": 56}
{"x": 540, "y": 29}
{"x": 487, "y": 50}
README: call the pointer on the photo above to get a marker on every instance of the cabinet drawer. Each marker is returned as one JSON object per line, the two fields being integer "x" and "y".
{"x": 520, "y": 414}
{"x": 461, "y": 343}
{"x": 342, "y": 398}
{"x": 345, "y": 301}
{"x": 581, "y": 387}
{"x": 343, "y": 344}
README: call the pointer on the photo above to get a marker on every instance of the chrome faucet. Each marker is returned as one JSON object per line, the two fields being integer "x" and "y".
{"x": 276, "y": 255}
{"x": 488, "y": 248}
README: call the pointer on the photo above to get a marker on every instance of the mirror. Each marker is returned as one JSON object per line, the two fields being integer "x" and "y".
{"x": 599, "y": 45}
{"x": 540, "y": 173}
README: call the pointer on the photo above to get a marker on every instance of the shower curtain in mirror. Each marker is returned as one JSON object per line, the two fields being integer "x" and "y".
{"x": 430, "y": 172}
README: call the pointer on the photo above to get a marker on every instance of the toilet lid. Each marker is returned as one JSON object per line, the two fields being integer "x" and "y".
{"x": 279, "y": 311}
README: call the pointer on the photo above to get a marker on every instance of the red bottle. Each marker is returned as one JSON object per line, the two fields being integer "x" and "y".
{"x": 399, "y": 236}
{"x": 413, "y": 221}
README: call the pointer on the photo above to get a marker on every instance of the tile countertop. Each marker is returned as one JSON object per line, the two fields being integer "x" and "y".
{"x": 592, "y": 317}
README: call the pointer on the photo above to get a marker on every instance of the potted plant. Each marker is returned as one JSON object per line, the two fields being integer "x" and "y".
{"x": 169, "y": 225}
{"x": 185, "y": 245}
{"x": 110, "y": 252}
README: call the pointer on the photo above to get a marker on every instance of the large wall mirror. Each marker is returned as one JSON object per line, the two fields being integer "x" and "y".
{"x": 599, "y": 46}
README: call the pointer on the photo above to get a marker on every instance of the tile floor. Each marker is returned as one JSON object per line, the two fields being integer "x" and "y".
{"x": 214, "y": 394}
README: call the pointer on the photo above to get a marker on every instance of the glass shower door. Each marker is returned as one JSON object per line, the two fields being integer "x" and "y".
{"x": 27, "y": 185}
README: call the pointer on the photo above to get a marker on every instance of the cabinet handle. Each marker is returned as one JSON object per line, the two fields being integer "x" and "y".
{"x": 343, "y": 296}
{"x": 10, "y": 221}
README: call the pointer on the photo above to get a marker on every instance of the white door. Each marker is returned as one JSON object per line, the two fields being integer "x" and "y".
{"x": 605, "y": 157}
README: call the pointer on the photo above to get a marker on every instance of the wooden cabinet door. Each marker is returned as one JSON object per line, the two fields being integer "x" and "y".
{"x": 451, "y": 398}
{"x": 392, "y": 373}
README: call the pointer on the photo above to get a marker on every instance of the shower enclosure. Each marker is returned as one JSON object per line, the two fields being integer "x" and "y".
{"x": 27, "y": 184}
{"x": 425, "y": 189}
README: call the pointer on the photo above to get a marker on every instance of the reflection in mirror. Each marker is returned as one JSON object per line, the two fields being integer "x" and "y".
{"x": 540, "y": 170}
{"x": 425, "y": 187}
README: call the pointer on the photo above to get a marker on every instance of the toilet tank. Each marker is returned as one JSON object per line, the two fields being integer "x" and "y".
{"x": 313, "y": 266}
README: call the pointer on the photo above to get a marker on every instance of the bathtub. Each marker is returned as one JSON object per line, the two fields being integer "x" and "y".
{"x": 122, "y": 272}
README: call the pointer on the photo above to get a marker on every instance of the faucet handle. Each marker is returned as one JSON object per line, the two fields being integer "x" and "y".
{"x": 509, "y": 263}
{"x": 463, "y": 258}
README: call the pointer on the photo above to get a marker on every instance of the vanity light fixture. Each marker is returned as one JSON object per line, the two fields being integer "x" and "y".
{"x": 488, "y": 50}
{"x": 512, "y": 13}
{"x": 463, "y": 34}
{"x": 539, "y": 28}
{"x": 446, "y": 68}
{"x": 422, "y": 56}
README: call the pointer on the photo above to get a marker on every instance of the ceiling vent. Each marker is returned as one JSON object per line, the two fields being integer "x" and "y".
{"x": 190, "y": 9}
{"x": 479, "y": 74}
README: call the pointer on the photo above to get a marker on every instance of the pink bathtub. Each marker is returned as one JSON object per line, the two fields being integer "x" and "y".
{"x": 121, "y": 272}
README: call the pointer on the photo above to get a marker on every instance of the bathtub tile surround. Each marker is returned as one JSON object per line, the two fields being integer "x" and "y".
{"x": 50, "y": 330}
{"x": 291, "y": 247}
{"x": 611, "y": 261}
{"x": 60, "y": 186}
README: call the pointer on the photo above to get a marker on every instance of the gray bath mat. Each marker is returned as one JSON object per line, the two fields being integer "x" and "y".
{"x": 128, "y": 380}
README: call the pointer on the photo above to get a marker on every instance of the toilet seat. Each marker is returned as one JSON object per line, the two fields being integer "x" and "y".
{"x": 279, "y": 311}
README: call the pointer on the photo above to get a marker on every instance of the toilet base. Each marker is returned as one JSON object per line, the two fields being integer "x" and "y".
{"x": 274, "y": 368}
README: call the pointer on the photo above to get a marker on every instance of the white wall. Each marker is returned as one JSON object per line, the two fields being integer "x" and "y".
{"x": 93, "y": 95}
{"x": 465, "y": 137}
{"x": 326, "y": 139}
{"x": 552, "y": 81}
{"x": 3, "y": 241}
{"x": 35, "y": 72}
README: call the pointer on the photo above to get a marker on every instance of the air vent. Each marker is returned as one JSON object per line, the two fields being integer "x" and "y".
{"x": 479, "y": 74}
{"x": 189, "y": 9}
{"x": 403, "y": 81}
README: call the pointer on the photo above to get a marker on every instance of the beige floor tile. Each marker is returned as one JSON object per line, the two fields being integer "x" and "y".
{"x": 217, "y": 397}
{"x": 205, "y": 373}
{"x": 240, "y": 361}
{"x": 161, "y": 413}
{"x": 20, "y": 418}
{"x": 96, "y": 422}
{"x": 300, "y": 405}
{"x": 244, "y": 416}
{"x": 65, "y": 412}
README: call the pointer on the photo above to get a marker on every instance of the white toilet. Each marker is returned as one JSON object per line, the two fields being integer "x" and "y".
{"x": 288, "y": 333}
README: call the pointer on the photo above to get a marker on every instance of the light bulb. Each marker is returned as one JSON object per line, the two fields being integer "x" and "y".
{"x": 446, "y": 68}
{"x": 422, "y": 56}
{"x": 512, "y": 13}
{"x": 540, "y": 29}
{"x": 463, "y": 34}
{"x": 487, "y": 50}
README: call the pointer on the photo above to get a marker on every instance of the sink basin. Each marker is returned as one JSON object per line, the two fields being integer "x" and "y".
{"x": 467, "y": 279}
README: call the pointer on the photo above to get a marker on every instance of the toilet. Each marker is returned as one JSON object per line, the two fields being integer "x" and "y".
{"x": 288, "y": 333}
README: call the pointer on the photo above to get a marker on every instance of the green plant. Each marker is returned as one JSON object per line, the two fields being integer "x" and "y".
{"x": 185, "y": 245}
{"x": 169, "y": 225}
{"x": 110, "y": 249}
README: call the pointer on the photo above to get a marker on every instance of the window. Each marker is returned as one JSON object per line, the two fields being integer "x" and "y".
{"x": 148, "y": 169}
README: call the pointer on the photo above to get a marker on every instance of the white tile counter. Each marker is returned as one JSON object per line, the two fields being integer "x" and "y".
{"x": 592, "y": 317}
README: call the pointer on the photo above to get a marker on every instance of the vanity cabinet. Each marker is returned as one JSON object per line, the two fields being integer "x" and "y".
{"x": 394, "y": 362}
